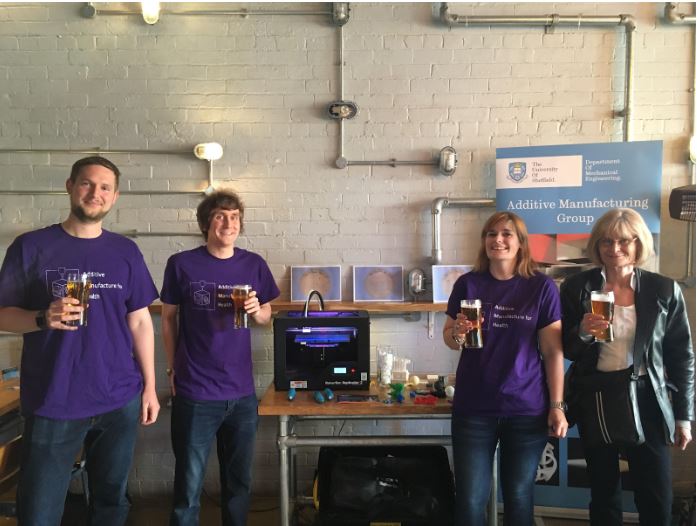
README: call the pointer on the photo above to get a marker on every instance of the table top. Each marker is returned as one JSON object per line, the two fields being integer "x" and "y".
{"x": 9, "y": 395}
{"x": 276, "y": 403}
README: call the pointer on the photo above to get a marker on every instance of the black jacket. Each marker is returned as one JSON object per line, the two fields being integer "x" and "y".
{"x": 662, "y": 338}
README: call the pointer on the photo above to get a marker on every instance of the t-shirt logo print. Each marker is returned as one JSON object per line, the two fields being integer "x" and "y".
{"x": 203, "y": 294}
{"x": 57, "y": 281}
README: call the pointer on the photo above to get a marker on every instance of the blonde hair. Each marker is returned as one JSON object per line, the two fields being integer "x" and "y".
{"x": 621, "y": 223}
{"x": 525, "y": 265}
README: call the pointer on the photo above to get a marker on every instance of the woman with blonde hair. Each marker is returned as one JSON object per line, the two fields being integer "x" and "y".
{"x": 509, "y": 392}
{"x": 649, "y": 324}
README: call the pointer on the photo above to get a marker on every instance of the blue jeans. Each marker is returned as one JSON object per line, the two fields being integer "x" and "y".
{"x": 49, "y": 450}
{"x": 522, "y": 440}
{"x": 194, "y": 424}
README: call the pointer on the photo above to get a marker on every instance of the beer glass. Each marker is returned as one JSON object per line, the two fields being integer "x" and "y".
{"x": 240, "y": 294}
{"x": 472, "y": 310}
{"x": 603, "y": 303}
{"x": 78, "y": 287}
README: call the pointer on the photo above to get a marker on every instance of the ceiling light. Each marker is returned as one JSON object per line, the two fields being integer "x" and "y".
{"x": 151, "y": 11}
{"x": 209, "y": 151}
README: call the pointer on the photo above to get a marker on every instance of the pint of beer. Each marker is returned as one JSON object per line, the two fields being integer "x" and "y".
{"x": 78, "y": 287}
{"x": 603, "y": 303}
{"x": 240, "y": 294}
{"x": 472, "y": 310}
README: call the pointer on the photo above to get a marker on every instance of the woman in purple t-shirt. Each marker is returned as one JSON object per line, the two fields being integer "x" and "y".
{"x": 509, "y": 392}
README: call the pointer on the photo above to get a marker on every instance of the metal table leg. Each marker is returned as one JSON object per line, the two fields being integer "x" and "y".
{"x": 284, "y": 467}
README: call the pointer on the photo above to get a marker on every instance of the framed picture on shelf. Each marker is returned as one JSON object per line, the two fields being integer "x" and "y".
{"x": 378, "y": 283}
{"x": 324, "y": 279}
{"x": 444, "y": 277}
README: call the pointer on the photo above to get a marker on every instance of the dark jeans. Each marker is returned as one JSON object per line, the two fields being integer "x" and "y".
{"x": 649, "y": 469}
{"x": 49, "y": 450}
{"x": 194, "y": 424}
{"x": 522, "y": 440}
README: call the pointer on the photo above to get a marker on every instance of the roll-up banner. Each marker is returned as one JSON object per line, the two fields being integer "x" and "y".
{"x": 561, "y": 190}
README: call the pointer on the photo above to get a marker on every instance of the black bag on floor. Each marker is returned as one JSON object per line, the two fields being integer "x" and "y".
{"x": 412, "y": 486}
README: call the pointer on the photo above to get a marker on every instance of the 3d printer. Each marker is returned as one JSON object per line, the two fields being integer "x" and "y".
{"x": 318, "y": 349}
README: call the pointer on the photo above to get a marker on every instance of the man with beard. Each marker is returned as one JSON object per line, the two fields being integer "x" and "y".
{"x": 81, "y": 386}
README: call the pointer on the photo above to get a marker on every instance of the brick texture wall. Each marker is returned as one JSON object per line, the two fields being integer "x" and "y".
{"x": 260, "y": 84}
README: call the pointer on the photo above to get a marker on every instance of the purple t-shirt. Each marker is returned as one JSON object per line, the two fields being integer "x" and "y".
{"x": 77, "y": 374}
{"x": 213, "y": 360}
{"x": 505, "y": 377}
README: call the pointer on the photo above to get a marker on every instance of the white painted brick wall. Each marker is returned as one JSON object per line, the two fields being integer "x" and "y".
{"x": 259, "y": 85}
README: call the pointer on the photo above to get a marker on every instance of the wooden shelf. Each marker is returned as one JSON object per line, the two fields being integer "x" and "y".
{"x": 370, "y": 306}
{"x": 394, "y": 306}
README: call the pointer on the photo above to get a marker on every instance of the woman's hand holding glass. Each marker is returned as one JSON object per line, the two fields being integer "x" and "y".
{"x": 593, "y": 324}
{"x": 462, "y": 326}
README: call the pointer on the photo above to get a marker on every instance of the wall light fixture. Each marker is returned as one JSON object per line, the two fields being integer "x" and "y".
{"x": 151, "y": 11}
{"x": 208, "y": 151}
{"x": 447, "y": 161}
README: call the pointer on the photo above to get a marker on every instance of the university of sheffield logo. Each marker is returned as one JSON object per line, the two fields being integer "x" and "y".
{"x": 517, "y": 171}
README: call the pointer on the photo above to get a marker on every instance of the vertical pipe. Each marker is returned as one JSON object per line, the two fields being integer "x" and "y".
{"x": 629, "y": 79}
{"x": 284, "y": 470}
{"x": 341, "y": 62}
{"x": 341, "y": 89}
{"x": 691, "y": 226}
{"x": 437, "y": 210}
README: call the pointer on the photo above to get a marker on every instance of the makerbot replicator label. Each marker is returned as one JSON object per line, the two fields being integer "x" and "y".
{"x": 339, "y": 383}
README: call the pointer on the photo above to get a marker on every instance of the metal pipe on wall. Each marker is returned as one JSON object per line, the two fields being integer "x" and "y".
{"x": 341, "y": 161}
{"x": 99, "y": 151}
{"x": 341, "y": 91}
{"x": 672, "y": 16}
{"x": 626, "y": 113}
{"x": 157, "y": 233}
{"x": 129, "y": 233}
{"x": 94, "y": 151}
{"x": 121, "y": 192}
{"x": 437, "y": 210}
{"x": 550, "y": 21}
{"x": 91, "y": 11}
{"x": 392, "y": 162}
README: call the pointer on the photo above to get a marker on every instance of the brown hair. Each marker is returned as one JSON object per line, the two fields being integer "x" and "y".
{"x": 525, "y": 266}
{"x": 219, "y": 200}
{"x": 94, "y": 160}
{"x": 623, "y": 223}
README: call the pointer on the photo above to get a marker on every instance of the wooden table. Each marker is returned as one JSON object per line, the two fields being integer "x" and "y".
{"x": 11, "y": 428}
{"x": 9, "y": 395}
{"x": 304, "y": 408}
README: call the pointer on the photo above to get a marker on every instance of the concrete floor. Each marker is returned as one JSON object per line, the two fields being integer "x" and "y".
{"x": 264, "y": 512}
